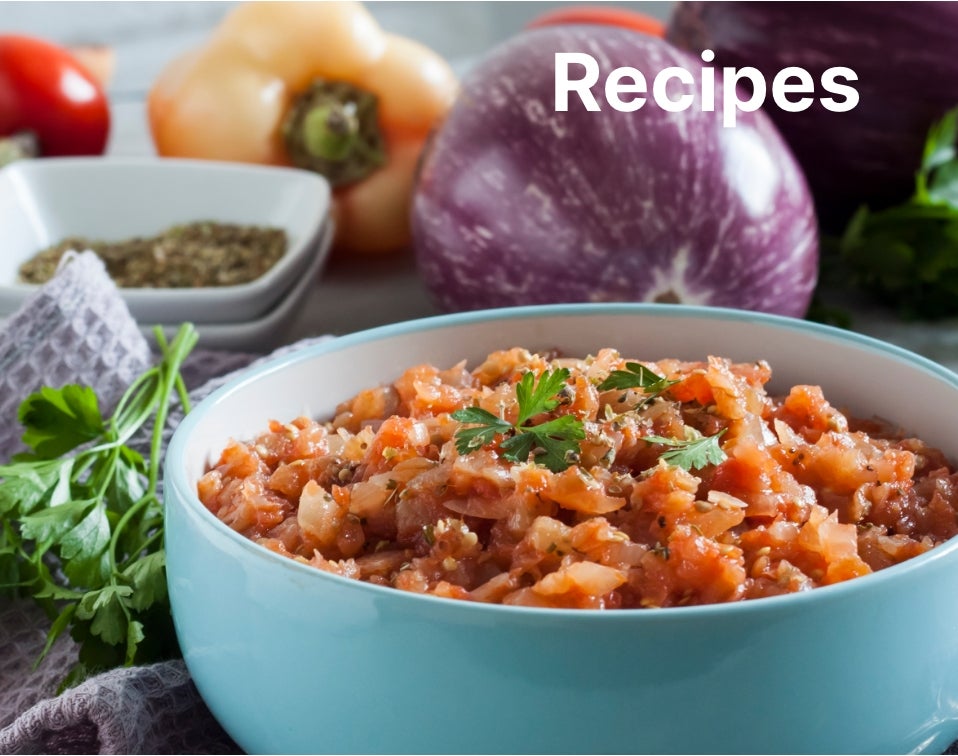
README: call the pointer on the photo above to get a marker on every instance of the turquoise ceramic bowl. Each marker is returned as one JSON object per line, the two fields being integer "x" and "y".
{"x": 291, "y": 659}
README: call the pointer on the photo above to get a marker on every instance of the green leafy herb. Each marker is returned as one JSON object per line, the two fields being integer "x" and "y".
{"x": 536, "y": 397}
{"x": 637, "y": 376}
{"x": 908, "y": 254}
{"x": 691, "y": 453}
{"x": 486, "y": 427}
{"x": 553, "y": 443}
{"x": 82, "y": 525}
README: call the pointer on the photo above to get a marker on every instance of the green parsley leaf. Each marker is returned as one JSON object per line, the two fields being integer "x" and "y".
{"x": 134, "y": 636}
{"x": 60, "y": 624}
{"x": 536, "y": 397}
{"x": 127, "y": 483}
{"x": 52, "y": 524}
{"x": 24, "y": 485}
{"x": 83, "y": 549}
{"x": 638, "y": 376}
{"x": 58, "y": 420}
{"x": 553, "y": 443}
{"x": 691, "y": 454}
{"x": 107, "y": 612}
{"x": 90, "y": 536}
{"x": 147, "y": 577}
{"x": 487, "y": 427}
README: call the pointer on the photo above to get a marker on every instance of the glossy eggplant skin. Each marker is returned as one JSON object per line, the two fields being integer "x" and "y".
{"x": 518, "y": 203}
{"x": 903, "y": 54}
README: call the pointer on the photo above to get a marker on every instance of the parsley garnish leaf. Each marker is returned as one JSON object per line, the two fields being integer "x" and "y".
{"x": 553, "y": 443}
{"x": 517, "y": 448}
{"x": 487, "y": 427}
{"x": 636, "y": 375}
{"x": 691, "y": 454}
{"x": 536, "y": 397}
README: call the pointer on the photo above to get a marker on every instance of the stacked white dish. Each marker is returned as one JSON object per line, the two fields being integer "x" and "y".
{"x": 111, "y": 199}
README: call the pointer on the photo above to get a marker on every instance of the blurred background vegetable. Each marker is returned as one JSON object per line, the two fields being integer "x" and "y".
{"x": 50, "y": 103}
{"x": 603, "y": 15}
{"x": 520, "y": 204}
{"x": 907, "y": 255}
{"x": 99, "y": 60}
{"x": 904, "y": 55}
{"x": 316, "y": 85}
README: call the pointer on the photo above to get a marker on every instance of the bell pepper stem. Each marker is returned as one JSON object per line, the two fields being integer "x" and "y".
{"x": 329, "y": 132}
{"x": 333, "y": 129}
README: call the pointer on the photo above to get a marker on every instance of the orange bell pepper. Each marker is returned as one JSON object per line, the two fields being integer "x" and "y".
{"x": 318, "y": 85}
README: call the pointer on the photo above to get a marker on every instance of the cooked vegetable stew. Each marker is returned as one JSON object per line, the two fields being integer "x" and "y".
{"x": 599, "y": 483}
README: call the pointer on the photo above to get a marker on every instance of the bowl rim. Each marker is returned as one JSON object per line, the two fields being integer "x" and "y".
{"x": 175, "y": 481}
{"x": 288, "y": 265}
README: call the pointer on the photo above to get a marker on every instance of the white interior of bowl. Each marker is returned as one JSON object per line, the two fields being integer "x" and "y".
{"x": 860, "y": 374}
{"x": 45, "y": 201}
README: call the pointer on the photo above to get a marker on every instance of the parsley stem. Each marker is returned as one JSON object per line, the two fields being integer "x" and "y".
{"x": 107, "y": 473}
{"x": 84, "y": 461}
{"x": 173, "y": 356}
{"x": 121, "y": 526}
{"x": 132, "y": 410}
{"x": 154, "y": 536}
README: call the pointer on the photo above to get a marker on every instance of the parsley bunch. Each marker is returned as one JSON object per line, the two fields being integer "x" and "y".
{"x": 82, "y": 529}
{"x": 908, "y": 254}
{"x": 554, "y": 443}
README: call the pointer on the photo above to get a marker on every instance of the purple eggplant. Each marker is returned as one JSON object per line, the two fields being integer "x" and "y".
{"x": 517, "y": 203}
{"x": 904, "y": 54}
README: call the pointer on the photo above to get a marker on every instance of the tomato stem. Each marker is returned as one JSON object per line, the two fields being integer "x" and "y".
{"x": 333, "y": 128}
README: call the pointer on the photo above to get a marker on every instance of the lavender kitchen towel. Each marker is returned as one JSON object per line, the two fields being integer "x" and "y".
{"x": 76, "y": 329}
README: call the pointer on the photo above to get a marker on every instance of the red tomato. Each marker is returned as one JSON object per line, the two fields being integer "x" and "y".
{"x": 602, "y": 15}
{"x": 45, "y": 90}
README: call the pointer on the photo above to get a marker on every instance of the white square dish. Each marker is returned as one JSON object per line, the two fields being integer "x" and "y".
{"x": 46, "y": 200}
